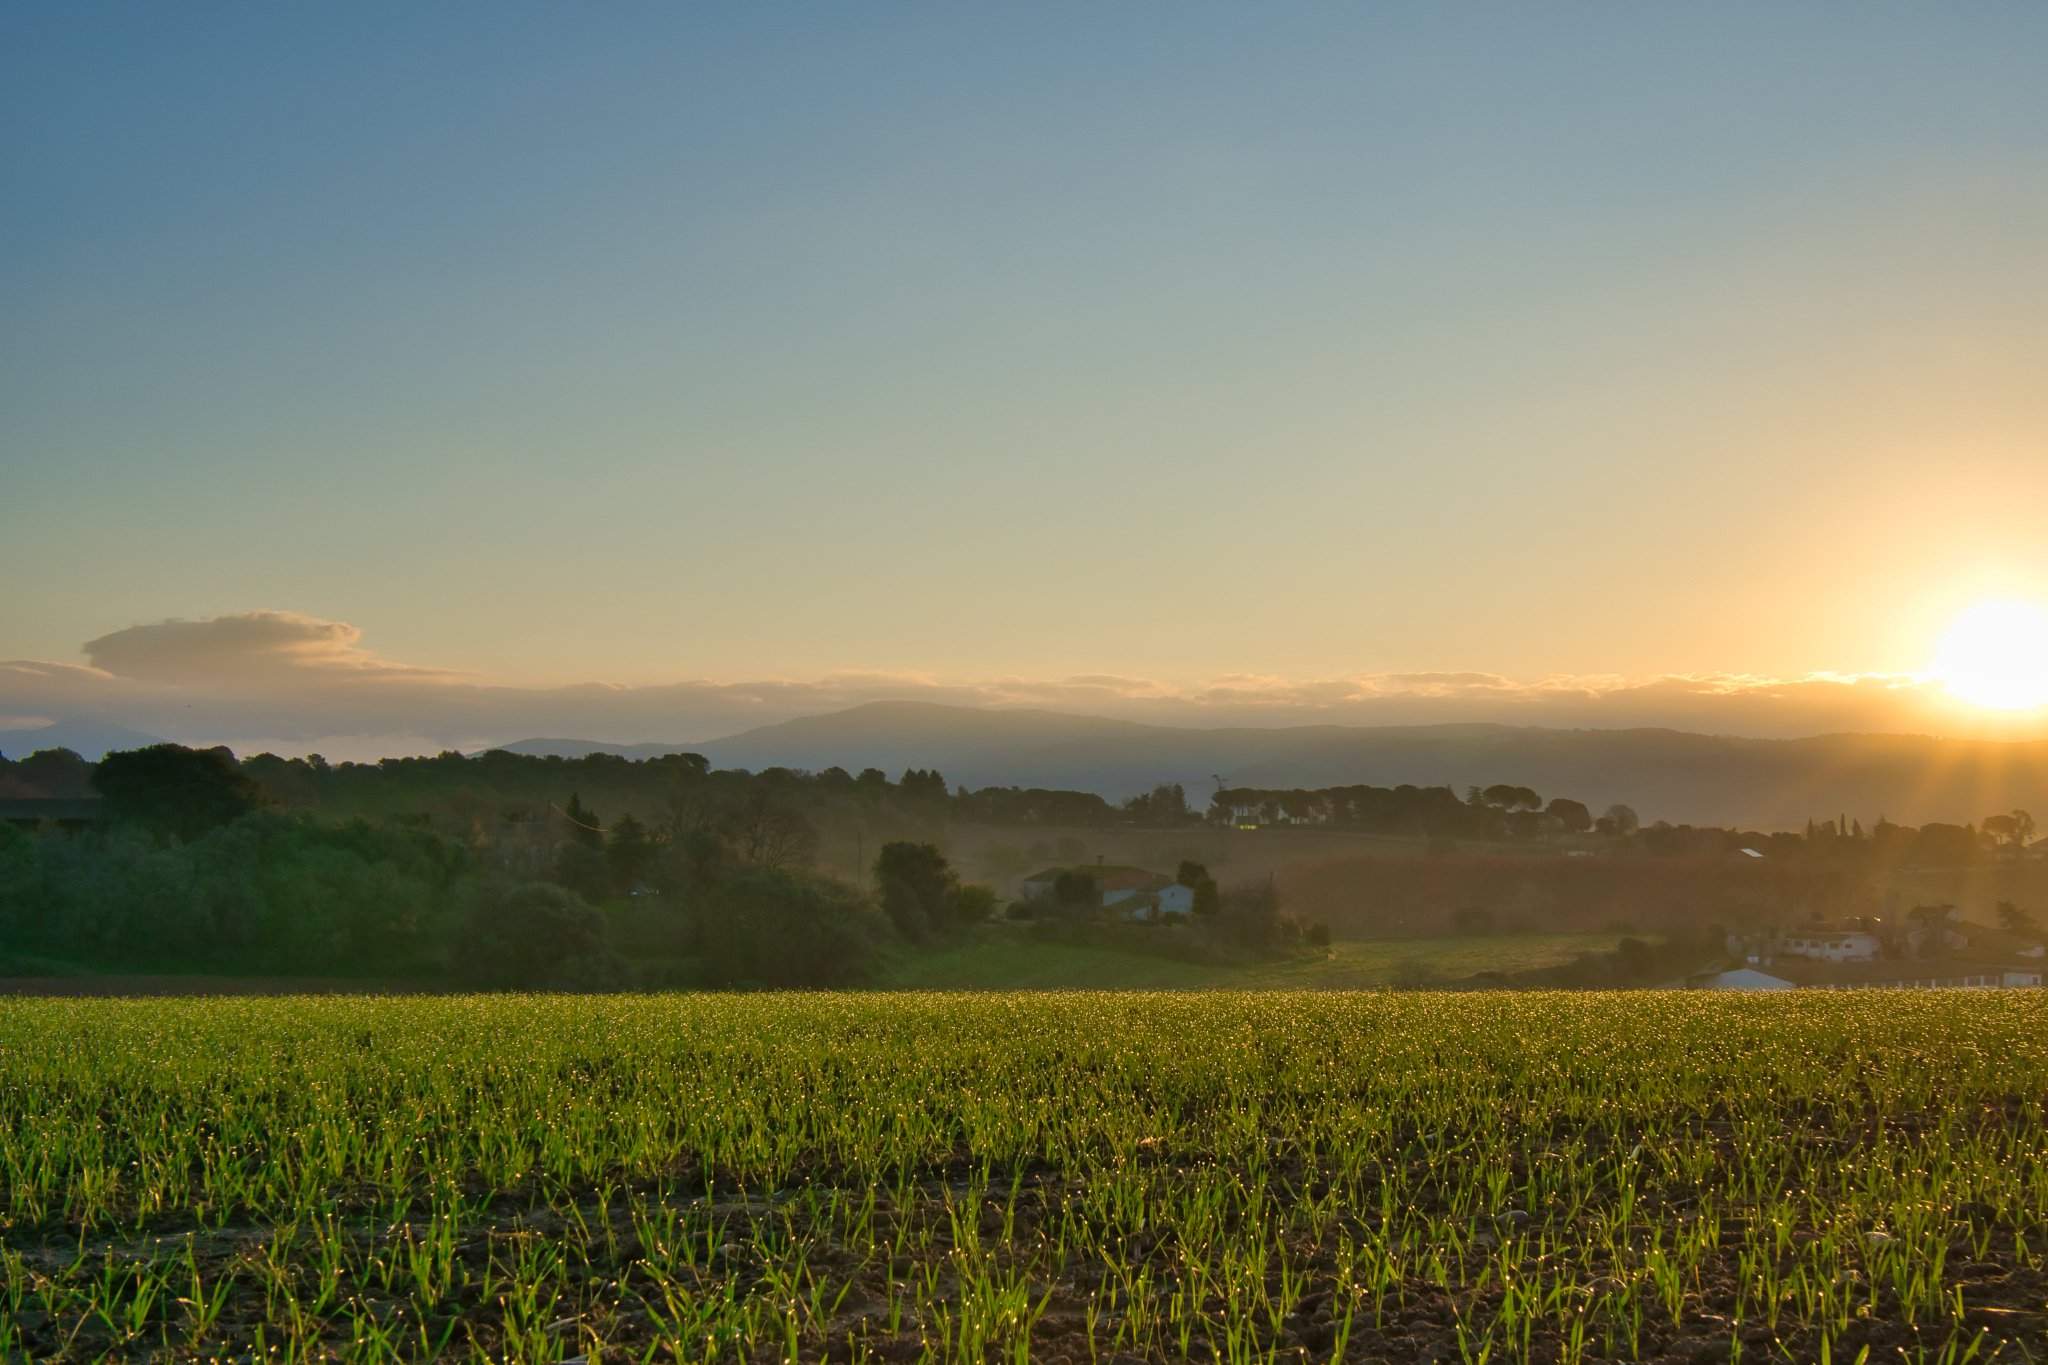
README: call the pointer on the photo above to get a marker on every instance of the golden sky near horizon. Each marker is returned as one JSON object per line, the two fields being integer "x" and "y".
{"x": 1217, "y": 354}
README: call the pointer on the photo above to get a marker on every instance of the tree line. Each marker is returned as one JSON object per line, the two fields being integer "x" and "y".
{"x": 198, "y": 866}
{"x": 493, "y": 869}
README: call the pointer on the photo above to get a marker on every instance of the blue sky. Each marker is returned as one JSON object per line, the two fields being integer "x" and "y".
{"x": 554, "y": 343}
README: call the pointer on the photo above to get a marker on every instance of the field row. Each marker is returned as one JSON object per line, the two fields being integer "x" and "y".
{"x": 1088, "y": 1177}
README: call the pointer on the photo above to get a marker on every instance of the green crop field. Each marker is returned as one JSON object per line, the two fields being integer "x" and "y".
{"x": 1243, "y": 1177}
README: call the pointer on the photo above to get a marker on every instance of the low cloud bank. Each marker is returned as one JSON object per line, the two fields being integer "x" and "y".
{"x": 297, "y": 684}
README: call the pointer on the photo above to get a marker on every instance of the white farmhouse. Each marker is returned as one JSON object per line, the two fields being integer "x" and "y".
{"x": 1171, "y": 901}
{"x": 1831, "y": 943}
{"x": 1135, "y": 891}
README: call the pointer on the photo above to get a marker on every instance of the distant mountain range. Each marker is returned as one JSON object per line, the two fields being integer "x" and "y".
{"x": 1663, "y": 774}
{"x": 89, "y": 739}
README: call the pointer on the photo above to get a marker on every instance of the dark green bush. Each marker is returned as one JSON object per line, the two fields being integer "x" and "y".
{"x": 537, "y": 935}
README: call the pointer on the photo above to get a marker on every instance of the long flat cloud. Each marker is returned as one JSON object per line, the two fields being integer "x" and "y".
{"x": 296, "y": 683}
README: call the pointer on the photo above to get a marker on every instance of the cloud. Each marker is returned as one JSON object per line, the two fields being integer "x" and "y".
{"x": 296, "y": 683}
{"x": 237, "y": 648}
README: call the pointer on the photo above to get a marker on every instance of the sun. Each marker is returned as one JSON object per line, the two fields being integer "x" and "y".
{"x": 1995, "y": 655}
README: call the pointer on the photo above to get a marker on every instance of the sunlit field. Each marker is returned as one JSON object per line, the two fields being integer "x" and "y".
{"x": 1236, "y": 1177}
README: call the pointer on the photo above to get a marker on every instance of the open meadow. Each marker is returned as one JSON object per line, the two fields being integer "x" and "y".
{"x": 1079, "y": 1177}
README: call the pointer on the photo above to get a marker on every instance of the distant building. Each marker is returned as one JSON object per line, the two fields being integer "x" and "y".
{"x": 1108, "y": 878}
{"x": 1248, "y": 810}
{"x": 1138, "y": 893}
{"x": 1836, "y": 943}
{"x": 1907, "y": 973}
{"x": 1853, "y": 941}
{"x": 1932, "y": 947}
{"x": 1897, "y": 974}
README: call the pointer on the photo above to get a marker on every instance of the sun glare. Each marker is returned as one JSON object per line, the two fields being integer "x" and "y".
{"x": 1995, "y": 655}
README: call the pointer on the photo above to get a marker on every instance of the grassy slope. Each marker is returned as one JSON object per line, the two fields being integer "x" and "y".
{"x": 1003, "y": 958}
{"x": 1000, "y": 957}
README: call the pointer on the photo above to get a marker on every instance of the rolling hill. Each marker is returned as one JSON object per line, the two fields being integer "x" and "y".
{"x": 1664, "y": 774}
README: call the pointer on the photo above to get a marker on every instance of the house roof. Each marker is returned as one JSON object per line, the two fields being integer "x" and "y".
{"x": 1132, "y": 878}
{"x": 1112, "y": 877}
{"x": 1829, "y": 929}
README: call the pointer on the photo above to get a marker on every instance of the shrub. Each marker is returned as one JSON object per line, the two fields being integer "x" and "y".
{"x": 773, "y": 927}
{"x": 919, "y": 888}
{"x": 537, "y": 935}
{"x": 973, "y": 904}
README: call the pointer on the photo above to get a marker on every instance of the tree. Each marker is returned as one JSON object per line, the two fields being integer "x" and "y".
{"x": 765, "y": 829}
{"x": 685, "y": 767}
{"x": 776, "y": 927}
{"x": 52, "y": 772}
{"x": 629, "y": 852}
{"x": 2014, "y": 920}
{"x": 1195, "y": 876}
{"x": 1572, "y": 815}
{"x": 974, "y": 903}
{"x": 925, "y": 785}
{"x": 2014, "y": 831}
{"x": 585, "y": 827}
{"x": 1941, "y": 845}
{"x": 535, "y": 934}
{"x": 918, "y": 887}
{"x": 1165, "y": 804}
{"x": 1620, "y": 821}
{"x": 174, "y": 790}
{"x": 582, "y": 868}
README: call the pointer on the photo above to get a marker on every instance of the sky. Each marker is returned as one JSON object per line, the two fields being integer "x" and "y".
{"x": 1247, "y": 360}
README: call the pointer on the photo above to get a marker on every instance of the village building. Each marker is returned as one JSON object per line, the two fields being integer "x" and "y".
{"x": 1895, "y": 974}
{"x": 1134, "y": 892}
{"x": 1832, "y": 943}
{"x": 1933, "y": 947}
